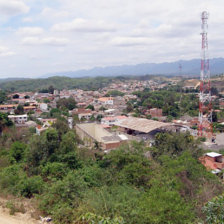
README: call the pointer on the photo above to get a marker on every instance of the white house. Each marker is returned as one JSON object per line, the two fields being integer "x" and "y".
{"x": 106, "y": 100}
{"x": 18, "y": 119}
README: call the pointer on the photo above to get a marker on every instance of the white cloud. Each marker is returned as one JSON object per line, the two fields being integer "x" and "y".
{"x": 27, "y": 20}
{"x": 54, "y": 41}
{"x": 30, "y": 31}
{"x": 101, "y": 33}
{"x": 52, "y": 14}
{"x": 13, "y": 7}
{"x": 83, "y": 25}
{"x": 130, "y": 41}
{"x": 4, "y": 51}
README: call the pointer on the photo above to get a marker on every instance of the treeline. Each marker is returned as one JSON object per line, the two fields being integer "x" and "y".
{"x": 133, "y": 184}
{"x": 57, "y": 82}
{"x": 93, "y": 83}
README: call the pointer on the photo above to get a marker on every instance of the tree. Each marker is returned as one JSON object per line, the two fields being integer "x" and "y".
{"x": 42, "y": 148}
{"x": 55, "y": 112}
{"x": 4, "y": 121}
{"x": 214, "y": 210}
{"x": 102, "y": 108}
{"x": 61, "y": 125}
{"x": 69, "y": 103}
{"x": 16, "y": 96}
{"x": 214, "y": 116}
{"x": 17, "y": 151}
{"x": 51, "y": 89}
{"x": 19, "y": 110}
{"x": 91, "y": 107}
{"x": 161, "y": 205}
{"x": 46, "y": 100}
{"x": 114, "y": 93}
{"x": 129, "y": 107}
{"x": 2, "y": 96}
{"x": 214, "y": 91}
{"x": 175, "y": 144}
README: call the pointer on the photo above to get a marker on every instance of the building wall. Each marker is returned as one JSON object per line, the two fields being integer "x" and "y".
{"x": 95, "y": 133}
{"x": 108, "y": 146}
{"x": 88, "y": 140}
{"x": 155, "y": 112}
{"x": 210, "y": 162}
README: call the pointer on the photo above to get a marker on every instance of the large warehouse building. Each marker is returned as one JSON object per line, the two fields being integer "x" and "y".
{"x": 91, "y": 133}
{"x": 142, "y": 127}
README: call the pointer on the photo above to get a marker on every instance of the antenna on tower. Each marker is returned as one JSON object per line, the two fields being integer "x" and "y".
{"x": 205, "y": 99}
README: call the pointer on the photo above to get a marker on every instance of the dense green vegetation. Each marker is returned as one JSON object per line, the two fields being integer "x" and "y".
{"x": 114, "y": 93}
{"x": 214, "y": 210}
{"x": 172, "y": 103}
{"x": 56, "y": 83}
{"x": 4, "y": 121}
{"x": 74, "y": 184}
{"x": 68, "y": 104}
{"x": 3, "y": 96}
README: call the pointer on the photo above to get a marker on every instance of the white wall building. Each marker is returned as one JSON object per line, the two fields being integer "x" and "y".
{"x": 18, "y": 119}
{"x": 106, "y": 100}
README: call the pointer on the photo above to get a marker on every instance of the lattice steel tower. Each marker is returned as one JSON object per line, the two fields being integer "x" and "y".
{"x": 205, "y": 99}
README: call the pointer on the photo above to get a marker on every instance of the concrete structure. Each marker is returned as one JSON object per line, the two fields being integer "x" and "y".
{"x": 213, "y": 161}
{"x": 8, "y": 107}
{"x": 110, "y": 121}
{"x": 40, "y": 129}
{"x": 155, "y": 112}
{"x": 18, "y": 119}
{"x": 85, "y": 116}
{"x": 44, "y": 107}
{"x": 92, "y": 133}
{"x": 29, "y": 108}
{"x": 82, "y": 113}
{"x": 70, "y": 122}
{"x": 106, "y": 100}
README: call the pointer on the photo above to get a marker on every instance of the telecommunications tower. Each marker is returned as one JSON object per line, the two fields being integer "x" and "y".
{"x": 205, "y": 100}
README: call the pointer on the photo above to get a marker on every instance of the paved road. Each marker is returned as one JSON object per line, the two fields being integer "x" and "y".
{"x": 220, "y": 139}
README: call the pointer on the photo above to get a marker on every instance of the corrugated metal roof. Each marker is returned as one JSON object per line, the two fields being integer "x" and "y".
{"x": 141, "y": 124}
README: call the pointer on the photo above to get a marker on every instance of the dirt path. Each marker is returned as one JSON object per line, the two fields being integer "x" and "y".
{"x": 6, "y": 218}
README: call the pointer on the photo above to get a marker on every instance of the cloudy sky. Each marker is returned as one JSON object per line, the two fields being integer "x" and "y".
{"x": 45, "y": 36}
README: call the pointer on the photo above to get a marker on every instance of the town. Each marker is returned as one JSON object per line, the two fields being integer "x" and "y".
{"x": 115, "y": 114}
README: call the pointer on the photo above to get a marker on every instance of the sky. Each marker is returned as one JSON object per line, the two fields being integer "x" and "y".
{"x": 38, "y": 37}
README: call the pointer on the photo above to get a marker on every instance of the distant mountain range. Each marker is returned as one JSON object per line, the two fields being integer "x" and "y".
{"x": 190, "y": 68}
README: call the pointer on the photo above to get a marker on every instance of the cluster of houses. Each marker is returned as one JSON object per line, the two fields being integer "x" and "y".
{"x": 92, "y": 105}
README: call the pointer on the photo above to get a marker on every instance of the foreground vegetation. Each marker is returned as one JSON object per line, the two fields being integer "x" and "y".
{"x": 133, "y": 184}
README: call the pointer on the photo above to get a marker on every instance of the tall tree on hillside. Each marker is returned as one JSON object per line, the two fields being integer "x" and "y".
{"x": 4, "y": 121}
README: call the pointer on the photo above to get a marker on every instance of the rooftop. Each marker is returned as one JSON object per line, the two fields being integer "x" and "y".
{"x": 141, "y": 124}
{"x": 98, "y": 133}
{"x": 213, "y": 154}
